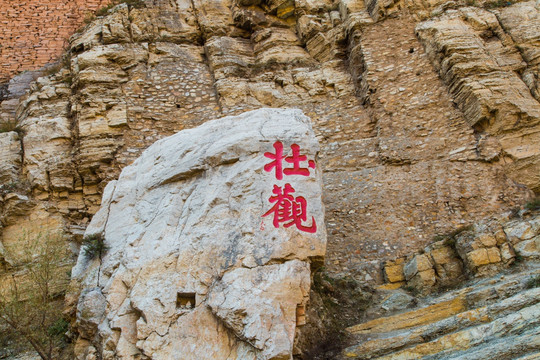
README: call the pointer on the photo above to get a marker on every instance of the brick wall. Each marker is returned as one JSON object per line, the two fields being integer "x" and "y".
{"x": 35, "y": 32}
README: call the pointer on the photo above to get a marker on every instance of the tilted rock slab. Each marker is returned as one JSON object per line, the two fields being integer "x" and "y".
{"x": 194, "y": 270}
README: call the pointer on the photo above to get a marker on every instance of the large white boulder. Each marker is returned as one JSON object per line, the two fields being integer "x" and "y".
{"x": 209, "y": 244}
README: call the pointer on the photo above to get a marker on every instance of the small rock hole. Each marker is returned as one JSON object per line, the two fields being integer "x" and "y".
{"x": 185, "y": 300}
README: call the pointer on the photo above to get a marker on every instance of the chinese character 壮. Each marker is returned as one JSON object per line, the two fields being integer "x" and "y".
{"x": 295, "y": 160}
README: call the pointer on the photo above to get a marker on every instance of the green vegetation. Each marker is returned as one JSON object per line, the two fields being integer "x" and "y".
{"x": 132, "y": 4}
{"x": 497, "y": 4}
{"x": 53, "y": 69}
{"x": 490, "y": 4}
{"x": 94, "y": 246}
{"x": 518, "y": 259}
{"x": 15, "y": 186}
{"x": 412, "y": 290}
{"x": 63, "y": 62}
{"x": 514, "y": 212}
{"x": 533, "y": 205}
{"x": 8, "y": 126}
{"x": 31, "y": 302}
{"x": 59, "y": 328}
{"x": 533, "y": 282}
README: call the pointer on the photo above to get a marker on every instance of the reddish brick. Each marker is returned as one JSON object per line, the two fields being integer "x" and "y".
{"x": 34, "y": 34}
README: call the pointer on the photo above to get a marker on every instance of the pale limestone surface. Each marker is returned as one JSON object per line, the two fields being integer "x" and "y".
{"x": 193, "y": 270}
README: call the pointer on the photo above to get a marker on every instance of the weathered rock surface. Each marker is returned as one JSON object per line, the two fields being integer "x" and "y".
{"x": 483, "y": 249}
{"x": 394, "y": 148}
{"x": 11, "y": 155}
{"x": 491, "y": 317}
{"x": 522, "y": 22}
{"x": 11, "y": 92}
{"x": 47, "y": 140}
{"x": 401, "y": 163}
{"x": 90, "y": 312}
{"x": 194, "y": 270}
{"x": 481, "y": 65}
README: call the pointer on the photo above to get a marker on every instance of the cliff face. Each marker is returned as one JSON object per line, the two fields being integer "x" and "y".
{"x": 427, "y": 112}
{"x": 407, "y": 154}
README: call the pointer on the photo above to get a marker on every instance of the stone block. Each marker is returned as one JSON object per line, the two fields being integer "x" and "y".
{"x": 452, "y": 271}
{"x": 500, "y": 236}
{"x": 507, "y": 252}
{"x": 394, "y": 273}
{"x": 90, "y": 312}
{"x": 423, "y": 280}
{"x": 418, "y": 264}
{"x": 519, "y": 231}
{"x": 487, "y": 240}
{"x": 391, "y": 286}
{"x": 429, "y": 278}
{"x": 478, "y": 257}
{"x": 398, "y": 300}
{"x": 198, "y": 250}
{"x": 446, "y": 263}
{"x": 443, "y": 255}
{"x": 494, "y": 255}
{"x": 528, "y": 248}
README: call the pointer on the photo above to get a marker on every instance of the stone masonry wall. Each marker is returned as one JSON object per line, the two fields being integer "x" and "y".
{"x": 33, "y": 34}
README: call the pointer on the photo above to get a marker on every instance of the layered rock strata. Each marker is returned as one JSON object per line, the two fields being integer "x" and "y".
{"x": 483, "y": 249}
{"x": 210, "y": 246}
{"x": 494, "y": 317}
{"x": 395, "y": 149}
{"x": 426, "y": 113}
{"x": 490, "y": 306}
{"x": 481, "y": 65}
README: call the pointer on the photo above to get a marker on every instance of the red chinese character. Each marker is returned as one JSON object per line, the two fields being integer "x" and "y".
{"x": 295, "y": 159}
{"x": 289, "y": 210}
{"x": 278, "y": 159}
